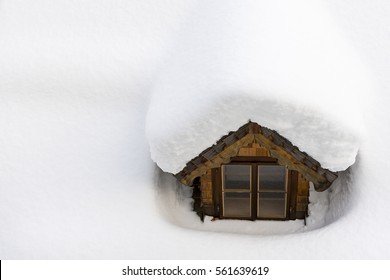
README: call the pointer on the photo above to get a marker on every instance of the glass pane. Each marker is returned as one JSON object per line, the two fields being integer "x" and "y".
{"x": 272, "y": 195}
{"x": 236, "y": 204}
{"x": 237, "y": 177}
{"x": 272, "y": 177}
{"x": 271, "y": 205}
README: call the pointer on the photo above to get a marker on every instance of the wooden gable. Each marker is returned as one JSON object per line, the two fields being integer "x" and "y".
{"x": 254, "y": 140}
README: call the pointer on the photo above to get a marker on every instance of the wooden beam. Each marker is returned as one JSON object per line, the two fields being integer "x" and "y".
{"x": 285, "y": 158}
{"x": 223, "y": 157}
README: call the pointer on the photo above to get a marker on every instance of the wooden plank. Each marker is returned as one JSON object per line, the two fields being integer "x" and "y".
{"x": 219, "y": 147}
{"x": 301, "y": 207}
{"x": 303, "y": 186}
{"x": 277, "y": 139}
{"x": 293, "y": 189}
{"x": 223, "y": 157}
{"x": 244, "y": 151}
{"x": 241, "y": 132}
{"x": 206, "y": 188}
{"x": 263, "y": 152}
{"x": 266, "y": 131}
{"x": 308, "y": 163}
{"x": 210, "y": 154}
{"x": 330, "y": 176}
{"x": 253, "y": 150}
{"x": 289, "y": 160}
{"x": 198, "y": 161}
{"x": 254, "y": 159}
{"x": 297, "y": 154}
{"x": 230, "y": 139}
{"x": 253, "y": 140}
{"x": 302, "y": 200}
{"x": 191, "y": 166}
{"x": 301, "y": 214}
{"x": 217, "y": 191}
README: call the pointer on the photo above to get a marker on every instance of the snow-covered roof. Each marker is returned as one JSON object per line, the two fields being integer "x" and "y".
{"x": 280, "y": 148}
{"x": 261, "y": 63}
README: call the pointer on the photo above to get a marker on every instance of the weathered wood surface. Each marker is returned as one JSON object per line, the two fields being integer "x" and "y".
{"x": 253, "y": 150}
{"x": 255, "y": 140}
{"x": 206, "y": 188}
{"x": 302, "y": 197}
{"x": 293, "y": 191}
{"x": 221, "y": 158}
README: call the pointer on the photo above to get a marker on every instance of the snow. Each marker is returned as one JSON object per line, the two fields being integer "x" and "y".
{"x": 175, "y": 205}
{"x": 262, "y": 62}
{"x": 79, "y": 84}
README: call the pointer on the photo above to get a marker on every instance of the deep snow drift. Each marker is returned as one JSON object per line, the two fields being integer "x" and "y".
{"x": 282, "y": 64}
{"x": 175, "y": 203}
{"x": 76, "y": 178}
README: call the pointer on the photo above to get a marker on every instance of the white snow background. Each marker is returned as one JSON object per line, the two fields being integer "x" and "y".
{"x": 79, "y": 79}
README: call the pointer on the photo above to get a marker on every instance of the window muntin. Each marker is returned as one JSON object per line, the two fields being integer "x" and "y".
{"x": 236, "y": 191}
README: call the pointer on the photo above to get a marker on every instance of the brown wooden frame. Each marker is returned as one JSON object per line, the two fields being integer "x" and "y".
{"x": 291, "y": 185}
{"x": 227, "y": 148}
{"x": 287, "y": 191}
{"x": 251, "y": 165}
{"x": 293, "y": 190}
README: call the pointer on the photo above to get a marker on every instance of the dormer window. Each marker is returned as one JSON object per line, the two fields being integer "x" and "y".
{"x": 254, "y": 173}
{"x": 237, "y": 191}
{"x": 254, "y": 190}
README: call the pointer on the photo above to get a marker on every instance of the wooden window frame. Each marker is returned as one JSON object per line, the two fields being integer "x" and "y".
{"x": 250, "y": 191}
{"x": 285, "y": 191}
{"x": 218, "y": 190}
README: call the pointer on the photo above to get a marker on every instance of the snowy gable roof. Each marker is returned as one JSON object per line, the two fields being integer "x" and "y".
{"x": 282, "y": 64}
{"x": 280, "y": 148}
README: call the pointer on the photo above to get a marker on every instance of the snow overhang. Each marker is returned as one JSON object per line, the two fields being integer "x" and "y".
{"x": 282, "y": 64}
